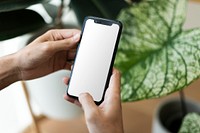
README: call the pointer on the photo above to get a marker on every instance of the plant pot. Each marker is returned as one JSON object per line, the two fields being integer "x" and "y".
{"x": 47, "y": 92}
{"x": 169, "y": 114}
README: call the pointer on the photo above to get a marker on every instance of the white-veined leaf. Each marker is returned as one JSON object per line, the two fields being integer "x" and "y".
{"x": 155, "y": 56}
{"x": 190, "y": 124}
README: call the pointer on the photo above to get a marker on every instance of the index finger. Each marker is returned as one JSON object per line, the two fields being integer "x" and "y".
{"x": 114, "y": 84}
{"x": 57, "y": 34}
{"x": 112, "y": 96}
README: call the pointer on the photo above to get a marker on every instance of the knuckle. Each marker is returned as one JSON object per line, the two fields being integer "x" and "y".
{"x": 84, "y": 96}
{"x": 52, "y": 34}
{"x": 116, "y": 97}
{"x": 47, "y": 47}
{"x": 76, "y": 30}
{"x": 51, "y": 31}
{"x": 69, "y": 41}
{"x": 117, "y": 72}
{"x": 94, "y": 115}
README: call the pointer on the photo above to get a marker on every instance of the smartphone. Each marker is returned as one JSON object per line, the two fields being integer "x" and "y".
{"x": 95, "y": 58}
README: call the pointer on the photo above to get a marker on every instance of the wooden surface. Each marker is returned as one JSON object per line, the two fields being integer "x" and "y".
{"x": 195, "y": 0}
{"x": 137, "y": 116}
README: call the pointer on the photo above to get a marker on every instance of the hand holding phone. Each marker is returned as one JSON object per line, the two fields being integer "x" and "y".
{"x": 95, "y": 57}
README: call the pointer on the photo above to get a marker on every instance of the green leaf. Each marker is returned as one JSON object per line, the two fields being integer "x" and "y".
{"x": 191, "y": 124}
{"x": 156, "y": 57}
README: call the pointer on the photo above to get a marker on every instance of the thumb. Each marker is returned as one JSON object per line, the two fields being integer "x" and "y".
{"x": 87, "y": 103}
{"x": 65, "y": 44}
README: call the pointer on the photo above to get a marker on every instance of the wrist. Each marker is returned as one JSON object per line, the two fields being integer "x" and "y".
{"x": 105, "y": 128}
{"x": 118, "y": 128}
{"x": 9, "y": 72}
{"x": 15, "y": 67}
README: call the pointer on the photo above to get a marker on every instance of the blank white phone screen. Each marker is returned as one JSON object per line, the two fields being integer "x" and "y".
{"x": 93, "y": 59}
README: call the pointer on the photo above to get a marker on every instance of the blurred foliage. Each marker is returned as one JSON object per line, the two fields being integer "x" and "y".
{"x": 191, "y": 124}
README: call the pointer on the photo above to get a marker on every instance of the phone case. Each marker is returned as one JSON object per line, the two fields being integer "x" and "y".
{"x": 102, "y": 21}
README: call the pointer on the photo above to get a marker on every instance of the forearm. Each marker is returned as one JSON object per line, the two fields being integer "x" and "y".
{"x": 8, "y": 71}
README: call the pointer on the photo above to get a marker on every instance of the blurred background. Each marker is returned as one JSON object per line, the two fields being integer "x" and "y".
{"x": 15, "y": 116}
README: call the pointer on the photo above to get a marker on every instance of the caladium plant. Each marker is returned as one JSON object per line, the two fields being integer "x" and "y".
{"x": 156, "y": 56}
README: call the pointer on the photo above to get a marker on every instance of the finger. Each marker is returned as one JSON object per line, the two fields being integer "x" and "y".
{"x": 68, "y": 65}
{"x": 73, "y": 50}
{"x": 71, "y": 100}
{"x": 72, "y": 66}
{"x": 52, "y": 47}
{"x": 66, "y": 97}
{"x": 87, "y": 103}
{"x": 65, "y": 44}
{"x": 77, "y": 103}
{"x": 71, "y": 55}
{"x": 113, "y": 92}
{"x": 114, "y": 84}
{"x": 58, "y": 34}
{"x": 66, "y": 80}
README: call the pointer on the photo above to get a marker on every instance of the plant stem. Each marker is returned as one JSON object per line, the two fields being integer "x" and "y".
{"x": 183, "y": 103}
{"x": 58, "y": 21}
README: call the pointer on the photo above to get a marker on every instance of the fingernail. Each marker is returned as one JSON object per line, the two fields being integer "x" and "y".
{"x": 76, "y": 37}
{"x": 68, "y": 34}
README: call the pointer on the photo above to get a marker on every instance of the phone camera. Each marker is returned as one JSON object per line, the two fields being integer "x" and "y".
{"x": 97, "y": 21}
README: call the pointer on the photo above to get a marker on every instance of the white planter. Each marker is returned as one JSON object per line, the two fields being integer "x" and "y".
{"x": 169, "y": 113}
{"x": 47, "y": 92}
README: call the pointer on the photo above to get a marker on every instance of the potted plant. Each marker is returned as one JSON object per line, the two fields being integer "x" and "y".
{"x": 169, "y": 115}
{"x": 156, "y": 56}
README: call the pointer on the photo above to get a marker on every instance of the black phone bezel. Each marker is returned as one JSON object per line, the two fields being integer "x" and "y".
{"x": 104, "y": 22}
